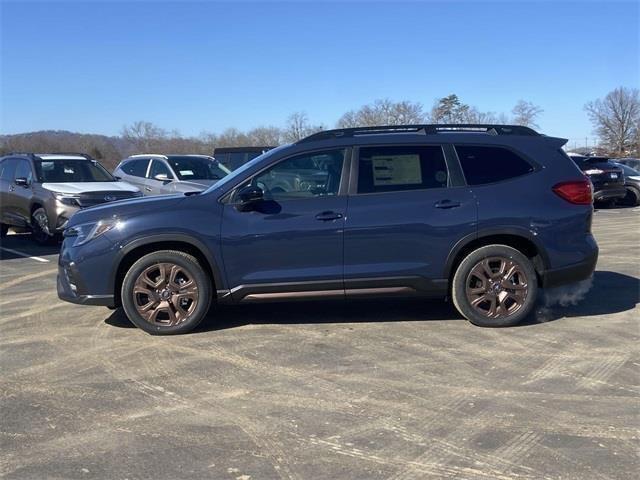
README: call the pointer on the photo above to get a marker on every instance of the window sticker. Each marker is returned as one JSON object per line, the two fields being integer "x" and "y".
{"x": 186, "y": 173}
{"x": 396, "y": 170}
{"x": 69, "y": 170}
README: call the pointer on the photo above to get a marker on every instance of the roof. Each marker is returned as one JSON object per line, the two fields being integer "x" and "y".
{"x": 242, "y": 149}
{"x": 422, "y": 129}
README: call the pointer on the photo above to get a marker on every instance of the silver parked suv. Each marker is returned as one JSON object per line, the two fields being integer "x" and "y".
{"x": 41, "y": 192}
{"x": 163, "y": 174}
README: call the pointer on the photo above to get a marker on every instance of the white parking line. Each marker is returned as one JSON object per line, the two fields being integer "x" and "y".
{"x": 26, "y": 255}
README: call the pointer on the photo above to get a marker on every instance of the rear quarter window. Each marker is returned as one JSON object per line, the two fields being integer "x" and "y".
{"x": 483, "y": 164}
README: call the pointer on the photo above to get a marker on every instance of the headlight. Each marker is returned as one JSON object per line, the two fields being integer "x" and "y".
{"x": 67, "y": 199}
{"x": 85, "y": 232}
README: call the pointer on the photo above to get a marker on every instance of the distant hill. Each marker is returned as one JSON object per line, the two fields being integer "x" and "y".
{"x": 108, "y": 150}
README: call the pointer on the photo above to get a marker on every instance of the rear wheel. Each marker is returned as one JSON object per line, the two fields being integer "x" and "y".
{"x": 166, "y": 292}
{"x": 40, "y": 227}
{"x": 633, "y": 197}
{"x": 495, "y": 286}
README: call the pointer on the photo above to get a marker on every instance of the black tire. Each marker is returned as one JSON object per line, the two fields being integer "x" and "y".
{"x": 633, "y": 197}
{"x": 39, "y": 234}
{"x": 3, "y": 230}
{"x": 192, "y": 270}
{"x": 503, "y": 298}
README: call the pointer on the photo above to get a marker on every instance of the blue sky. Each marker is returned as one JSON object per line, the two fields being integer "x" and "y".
{"x": 205, "y": 66}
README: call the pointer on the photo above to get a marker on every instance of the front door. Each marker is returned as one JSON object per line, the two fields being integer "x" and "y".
{"x": 405, "y": 215}
{"x": 290, "y": 243}
{"x": 19, "y": 198}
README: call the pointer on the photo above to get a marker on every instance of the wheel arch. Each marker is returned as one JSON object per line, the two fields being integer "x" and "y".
{"x": 130, "y": 253}
{"x": 521, "y": 240}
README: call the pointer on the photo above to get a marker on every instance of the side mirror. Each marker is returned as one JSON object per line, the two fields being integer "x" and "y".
{"x": 22, "y": 181}
{"x": 250, "y": 194}
{"x": 162, "y": 177}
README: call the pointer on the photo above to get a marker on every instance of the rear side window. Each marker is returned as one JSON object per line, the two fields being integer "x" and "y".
{"x": 137, "y": 168}
{"x": 159, "y": 168}
{"x": 401, "y": 168}
{"x": 490, "y": 164}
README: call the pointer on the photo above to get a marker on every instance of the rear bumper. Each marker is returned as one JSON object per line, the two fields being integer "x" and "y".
{"x": 571, "y": 273}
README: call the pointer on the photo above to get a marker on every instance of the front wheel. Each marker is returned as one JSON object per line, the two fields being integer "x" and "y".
{"x": 40, "y": 231}
{"x": 166, "y": 292}
{"x": 495, "y": 286}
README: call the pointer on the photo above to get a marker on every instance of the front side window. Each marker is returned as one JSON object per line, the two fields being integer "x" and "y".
{"x": 136, "y": 168}
{"x": 62, "y": 171}
{"x": 159, "y": 168}
{"x": 401, "y": 168}
{"x": 309, "y": 175}
{"x": 482, "y": 164}
{"x": 23, "y": 170}
{"x": 7, "y": 169}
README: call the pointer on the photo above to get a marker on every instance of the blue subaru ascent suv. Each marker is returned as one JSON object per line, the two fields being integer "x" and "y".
{"x": 482, "y": 214}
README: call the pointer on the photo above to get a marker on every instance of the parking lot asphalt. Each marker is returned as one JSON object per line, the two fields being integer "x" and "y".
{"x": 385, "y": 389}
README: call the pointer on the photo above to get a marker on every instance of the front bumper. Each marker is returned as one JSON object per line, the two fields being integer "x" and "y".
{"x": 571, "y": 273}
{"x": 70, "y": 290}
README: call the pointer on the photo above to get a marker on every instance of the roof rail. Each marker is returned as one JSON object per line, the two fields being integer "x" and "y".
{"x": 27, "y": 154}
{"x": 138, "y": 155}
{"x": 426, "y": 129}
{"x": 76, "y": 154}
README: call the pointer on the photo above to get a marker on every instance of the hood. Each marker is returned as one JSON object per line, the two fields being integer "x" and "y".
{"x": 74, "y": 188}
{"x": 126, "y": 208}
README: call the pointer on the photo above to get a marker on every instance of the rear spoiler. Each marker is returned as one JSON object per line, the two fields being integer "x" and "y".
{"x": 556, "y": 141}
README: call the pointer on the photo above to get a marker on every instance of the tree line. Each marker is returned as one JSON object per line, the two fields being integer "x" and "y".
{"x": 616, "y": 121}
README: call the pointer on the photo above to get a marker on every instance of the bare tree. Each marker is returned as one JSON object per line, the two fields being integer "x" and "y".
{"x": 526, "y": 113}
{"x": 383, "y": 112}
{"x": 298, "y": 127}
{"x": 265, "y": 136}
{"x": 616, "y": 120}
{"x": 144, "y": 135}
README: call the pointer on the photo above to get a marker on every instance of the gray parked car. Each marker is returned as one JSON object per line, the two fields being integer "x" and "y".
{"x": 165, "y": 174}
{"x": 41, "y": 192}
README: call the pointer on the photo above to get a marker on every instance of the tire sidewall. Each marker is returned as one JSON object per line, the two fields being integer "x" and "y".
{"x": 459, "y": 295}
{"x": 183, "y": 260}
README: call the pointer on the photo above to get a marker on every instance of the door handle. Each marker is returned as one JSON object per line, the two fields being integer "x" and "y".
{"x": 326, "y": 216}
{"x": 446, "y": 204}
{"x": 148, "y": 189}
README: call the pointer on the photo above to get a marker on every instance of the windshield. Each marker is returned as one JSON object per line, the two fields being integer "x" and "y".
{"x": 68, "y": 171}
{"x": 628, "y": 171}
{"x": 239, "y": 171}
{"x": 198, "y": 168}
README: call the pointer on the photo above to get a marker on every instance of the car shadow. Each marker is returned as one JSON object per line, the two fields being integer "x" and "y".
{"x": 611, "y": 292}
{"x": 23, "y": 245}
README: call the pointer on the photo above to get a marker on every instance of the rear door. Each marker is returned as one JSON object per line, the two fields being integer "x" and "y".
{"x": 135, "y": 172}
{"x": 408, "y": 207}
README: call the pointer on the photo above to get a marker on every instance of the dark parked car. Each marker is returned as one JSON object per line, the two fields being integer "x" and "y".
{"x": 606, "y": 177}
{"x": 629, "y": 162}
{"x": 482, "y": 214}
{"x": 631, "y": 184}
{"x": 41, "y": 192}
{"x": 234, "y": 157}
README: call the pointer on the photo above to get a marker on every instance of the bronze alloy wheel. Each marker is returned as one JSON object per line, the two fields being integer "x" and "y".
{"x": 496, "y": 287}
{"x": 165, "y": 294}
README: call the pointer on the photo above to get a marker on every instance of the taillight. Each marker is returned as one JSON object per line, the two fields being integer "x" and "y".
{"x": 577, "y": 192}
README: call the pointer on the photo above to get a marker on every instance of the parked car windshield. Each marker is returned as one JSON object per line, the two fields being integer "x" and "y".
{"x": 67, "y": 171}
{"x": 628, "y": 171}
{"x": 198, "y": 168}
{"x": 243, "y": 168}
